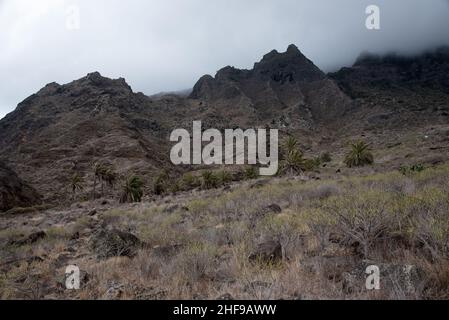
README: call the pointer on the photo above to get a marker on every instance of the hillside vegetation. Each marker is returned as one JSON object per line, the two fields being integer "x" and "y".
{"x": 283, "y": 238}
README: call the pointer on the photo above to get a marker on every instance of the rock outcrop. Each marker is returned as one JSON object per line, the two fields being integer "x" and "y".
{"x": 14, "y": 192}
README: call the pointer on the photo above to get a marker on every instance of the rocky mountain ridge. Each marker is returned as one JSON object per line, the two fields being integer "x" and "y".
{"x": 64, "y": 129}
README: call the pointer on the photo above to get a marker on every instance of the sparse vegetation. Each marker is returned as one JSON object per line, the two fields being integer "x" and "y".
{"x": 315, "y": 243}
{"x": 308, "y": 233}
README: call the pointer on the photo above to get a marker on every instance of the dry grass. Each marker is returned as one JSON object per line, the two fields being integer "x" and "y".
{"x": 198, "y": 247}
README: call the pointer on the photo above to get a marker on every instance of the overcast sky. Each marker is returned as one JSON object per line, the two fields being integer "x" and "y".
{"x": 165, "y": 45}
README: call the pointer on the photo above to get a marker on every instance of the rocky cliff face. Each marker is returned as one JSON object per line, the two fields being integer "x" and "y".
{"x": 14, "y": 192}
{"x": 281, "y": 86}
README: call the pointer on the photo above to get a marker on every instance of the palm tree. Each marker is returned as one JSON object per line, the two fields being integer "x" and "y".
{"x": 292, "y": 159}
{"x": 105, "y": 174}
{"x": 160, "y": 184}
{"x": 290, "y": 145}
{"x": 359, "y": 155}
{"x": 108, "y": 176}
{"x": 294, "y": 163}
{"x": 98, "y": 169}
{"x": 76, "y": 184}
{"x": 132, "y": 190}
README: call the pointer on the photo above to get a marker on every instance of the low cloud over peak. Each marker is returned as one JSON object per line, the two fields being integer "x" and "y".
{"x": 167, "y": 45}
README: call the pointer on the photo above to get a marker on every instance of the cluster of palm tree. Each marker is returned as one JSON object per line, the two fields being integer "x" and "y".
{"x": 132, "y": 187}
{"x": 292, "y": 162}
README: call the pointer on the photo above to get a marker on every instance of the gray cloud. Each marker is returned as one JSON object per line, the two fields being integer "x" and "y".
{"x": 162, "y": 45}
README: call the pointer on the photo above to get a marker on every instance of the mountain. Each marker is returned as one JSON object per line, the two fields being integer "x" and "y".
{"x": 67, "y": 128}
{"x": 285, "y": 88}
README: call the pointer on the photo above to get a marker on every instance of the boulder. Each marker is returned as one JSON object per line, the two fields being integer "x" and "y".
{"x": 115, "y": 243}
{"x": 30, "y": 239}
{"x": 267, "y": 252}
{"x": 272, "y": 208}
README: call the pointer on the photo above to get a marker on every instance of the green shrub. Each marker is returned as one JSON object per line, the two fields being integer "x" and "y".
{"x": 224, "y": 177}
{"x": 408, "y": 170}
{"x": 189, "y": 181}
{"x": 312, "y": 164}
{"x": 209, "y": 180}
{"x": 326, "y": 157}
{"x": 251, "y": 173}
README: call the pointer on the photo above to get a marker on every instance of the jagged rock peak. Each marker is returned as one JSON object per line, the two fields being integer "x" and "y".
{"x": 292, "y": 52}
{"x": 49, "y": 88}
{"x": 293, "y": 49}
{"x": 96, "y": 79}
{"x": 289, "y": 67}
{"x": 230, "y": 73}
